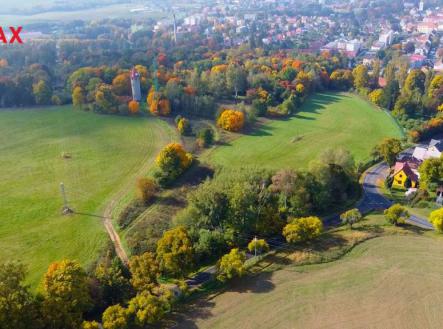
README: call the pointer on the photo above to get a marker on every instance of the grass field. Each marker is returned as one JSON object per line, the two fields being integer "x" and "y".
{"x": 325, "y": 121}
{"x": 390, "y": 281}
{"x": 106, "y": 153}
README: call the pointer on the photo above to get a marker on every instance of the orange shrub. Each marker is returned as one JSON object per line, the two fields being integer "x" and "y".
{"x": 134, "y": 107}
{"x": 231, "y": 120}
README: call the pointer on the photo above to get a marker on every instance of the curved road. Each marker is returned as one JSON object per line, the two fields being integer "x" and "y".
{"x": 373, "y": 199}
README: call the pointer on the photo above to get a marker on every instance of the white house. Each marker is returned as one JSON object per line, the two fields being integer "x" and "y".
{"x": 433, "y": 150}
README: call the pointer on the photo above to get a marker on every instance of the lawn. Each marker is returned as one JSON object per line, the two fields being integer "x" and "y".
{"x": 327, "y": 120}
{"x": 106, "y": 153}
{"x": 389, "y": 281}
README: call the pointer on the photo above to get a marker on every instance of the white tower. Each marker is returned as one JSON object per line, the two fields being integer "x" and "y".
{"x": 135, "y": 85}
{"x": 421, "y": 6}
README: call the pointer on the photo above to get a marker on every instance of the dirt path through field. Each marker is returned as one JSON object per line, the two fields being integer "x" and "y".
{"x": 160, "y": 139}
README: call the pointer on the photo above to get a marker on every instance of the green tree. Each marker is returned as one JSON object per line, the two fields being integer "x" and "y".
{"x": 258, "y": 246}
{"x": 436, "y": 219}
{"x": 145, "y": 272}
{"x": 389, "y": 149}
{"x": 236, "y": 79}
{"x": 396, "y": 214}
{"x": 207, "y": 136}
{"x": 351, "y": 217}
{"x": 115, "y": 317}
{"x": 175, "y": 252}
{"x": 66, "y": 295}
{"x": 431, "y": 173}
{"x": 231, "y": 265}
{"x": 303, "y": 229}
{"x": 113, "y": 281}
{"x": 17, "y": 307}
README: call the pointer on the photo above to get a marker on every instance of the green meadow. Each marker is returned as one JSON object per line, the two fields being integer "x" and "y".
{"x": 93, "y": 155}
{"x": 326, "y": 120}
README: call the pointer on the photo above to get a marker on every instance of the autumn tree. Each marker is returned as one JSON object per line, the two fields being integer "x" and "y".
{"x": 146, "y": 309}
{"x": 396, "y": 214}
{"x": 361, "y": 77}
{"x": 146, "y": 189}
{"x": 173, "y": 160}
{"x": 145, "y": 272}
{"x": 303, "y": 229}
{"x": 17, "y": 307}
{"x": 134, "y": 107}
{"x": 231, "y": 120}
{"x": 436, "y": 219}
{"x": 341, "y": 79}
{"x": 66, "y": 295}
{"x": 415, "y": 80}
{"x": 105, "y": 99}
{"x": 90, "y": 325}
{"x": 231, "y": 265}
{"x": 115, "y": 317}
{"x": 389, "y": 149}
{"x": 175, "y": 252}
{"x": 258, "y": 246}
{"x": 121, "y": 85}
{"x": 78, "y": 98}
{"x": 184, "y": 126}
{"x": 377, "y": 97}
{"x": 42, "y": 92}
{"x": 351, "y": 217}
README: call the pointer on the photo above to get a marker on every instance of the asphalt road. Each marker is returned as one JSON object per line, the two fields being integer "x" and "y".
{"x": 373, "y": 199}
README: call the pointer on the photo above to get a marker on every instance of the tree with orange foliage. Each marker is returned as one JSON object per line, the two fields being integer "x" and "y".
{"x": 134, "y": 107}
{"x": 66, "y": 294}
{"x": 231, "y": 120}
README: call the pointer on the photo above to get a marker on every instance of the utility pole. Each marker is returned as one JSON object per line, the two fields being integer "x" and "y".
{"x": 66, "y": 210}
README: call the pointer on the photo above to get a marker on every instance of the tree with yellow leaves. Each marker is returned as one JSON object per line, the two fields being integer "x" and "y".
{"x": 175, "y": 252}
{"x": 121, "y": 85}
{"x": 78, "y": 97}
{"x": 173, "y": 160}
{"x": 145, "y": 272}
{"x": 231, "y": 120}
{"x": 231, "y": 265}
{"x": 66, "y": 295}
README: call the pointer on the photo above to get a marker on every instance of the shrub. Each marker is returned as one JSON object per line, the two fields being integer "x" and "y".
{"x": 303, "y": 229}
{"x": 133, "y": 107}
{"x": 351, "y": 217}
{"x": 184, "y": 126}
{"x": 436, "y": 219}
{"x": 206, "y": 135}
{"x": 396, "y": 214}
{"x": 258, "y": 245}
{"x": 146, "y": 189}
{"x": 130, "y": 213}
